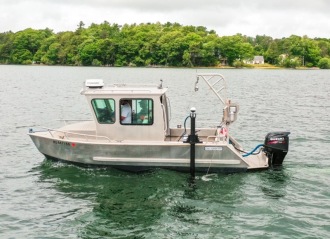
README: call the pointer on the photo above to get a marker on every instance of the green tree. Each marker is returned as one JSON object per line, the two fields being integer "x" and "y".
{"x": 261, "y": 44}
{"x": 302, "y": 47}
{"x": 273, "y": 52}
{"x": 43, "y": 49}
{"x": 291, "y": 62}
{"x": 68, "y": 52}
{"x": 311, "y": 52}
{"x": 234, "y": 48}
{"x": 27, "y": 42}
{"x": 194, "y": 43}
{"x": 21, "y": 56}
{"x": 324, "y": 63}
{"x": 6, "y": 46}
{"x": 210, "y": 51}
{"x": 147, "y": 36}
{"x": 88, "y": 52}
{"x": 107, "y": 50}
{"x": 51, "y": 57}
{"x": 172, "y": 47}
{"x": 324, "y": 45}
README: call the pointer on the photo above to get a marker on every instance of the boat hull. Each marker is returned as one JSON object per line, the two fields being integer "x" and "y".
{"x": 143, "y": 156}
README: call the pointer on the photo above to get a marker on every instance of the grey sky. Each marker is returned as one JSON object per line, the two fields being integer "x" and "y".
{"x": 276, "y": 18}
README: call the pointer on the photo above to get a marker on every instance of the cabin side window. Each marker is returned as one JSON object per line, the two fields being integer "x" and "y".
{"x": 104, "y": 110}
{"x": 136, "y": 111}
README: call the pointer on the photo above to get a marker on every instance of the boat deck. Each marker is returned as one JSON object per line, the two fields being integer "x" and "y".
{"x": 85, "y": 131}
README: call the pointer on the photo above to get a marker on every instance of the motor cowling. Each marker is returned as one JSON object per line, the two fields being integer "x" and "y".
{"x": 276, "y": 147}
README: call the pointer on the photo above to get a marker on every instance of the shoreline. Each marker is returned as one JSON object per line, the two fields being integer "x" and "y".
{"x": 259, "y": 67}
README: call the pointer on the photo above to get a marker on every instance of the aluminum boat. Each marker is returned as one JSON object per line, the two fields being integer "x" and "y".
{"x": 131, "y": 131}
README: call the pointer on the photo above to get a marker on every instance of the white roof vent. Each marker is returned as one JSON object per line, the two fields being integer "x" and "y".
{"x": 94, "y": 83}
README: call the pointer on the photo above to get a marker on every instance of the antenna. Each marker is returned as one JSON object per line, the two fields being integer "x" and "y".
{"x": 161, "y": 84}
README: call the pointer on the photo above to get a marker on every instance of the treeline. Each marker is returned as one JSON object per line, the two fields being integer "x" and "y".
{"x": 156, "y": 44}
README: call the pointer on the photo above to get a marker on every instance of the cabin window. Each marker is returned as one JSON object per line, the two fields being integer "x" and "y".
{"x": 136, "y": 111}
{"x": 104, "y": 110}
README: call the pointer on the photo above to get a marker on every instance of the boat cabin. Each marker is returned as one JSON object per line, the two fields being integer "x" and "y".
{"x": 128, "y": 112}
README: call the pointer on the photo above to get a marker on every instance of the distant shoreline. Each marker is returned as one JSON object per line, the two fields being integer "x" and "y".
{"x": 257, "y": 66}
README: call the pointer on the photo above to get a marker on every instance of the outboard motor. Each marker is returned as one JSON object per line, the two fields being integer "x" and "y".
{"x": 276, "y": 147}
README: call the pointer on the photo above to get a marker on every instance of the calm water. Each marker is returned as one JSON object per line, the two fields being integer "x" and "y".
{"x": 43, "y": 199}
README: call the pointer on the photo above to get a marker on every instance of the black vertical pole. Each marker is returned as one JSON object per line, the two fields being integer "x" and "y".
{"x": 192, "y": 141}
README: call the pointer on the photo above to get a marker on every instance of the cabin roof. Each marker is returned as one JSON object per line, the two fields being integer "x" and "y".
{"x": 125, "y": 89}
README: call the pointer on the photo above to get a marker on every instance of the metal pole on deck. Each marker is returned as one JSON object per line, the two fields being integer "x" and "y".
{"x": 192, "y": 140}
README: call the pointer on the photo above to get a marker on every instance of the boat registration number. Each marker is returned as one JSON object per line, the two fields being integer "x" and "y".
{"x": 210, "y": 148}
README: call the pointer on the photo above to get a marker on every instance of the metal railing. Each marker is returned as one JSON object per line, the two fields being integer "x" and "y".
{"x": 217, "y": 84}
{"x": 66, "y": 121}
{"x": 70, "y": 135}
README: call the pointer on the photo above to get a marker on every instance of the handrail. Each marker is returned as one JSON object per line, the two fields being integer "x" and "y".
{"x": 72, "y": 120}
{"x": 168, "y": 101}
{"x": 165, "y": 119}
{"x": 66, "y": 133}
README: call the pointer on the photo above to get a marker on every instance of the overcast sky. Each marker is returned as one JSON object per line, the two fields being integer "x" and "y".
{"x": 275, "y": 18}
